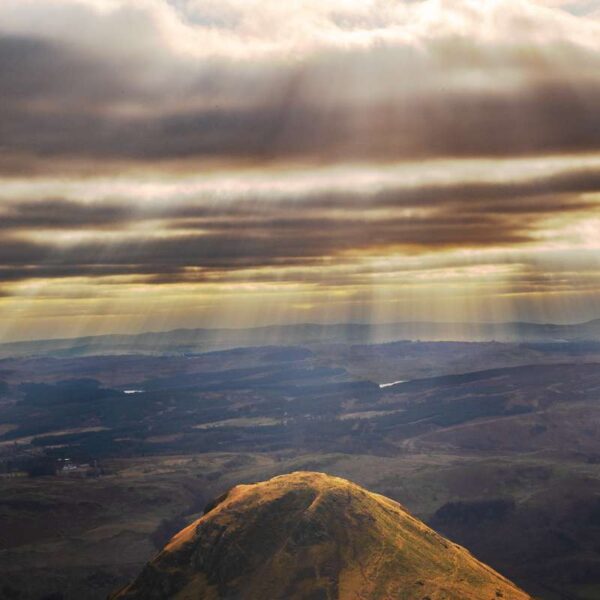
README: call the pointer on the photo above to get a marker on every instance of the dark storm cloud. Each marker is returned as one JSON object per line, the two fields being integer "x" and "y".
{"x": 548, "y": 119}
{"x": 59, "y": 213}
{"x": 553, "y": 194}
{"x": 59, "y": 101}
{"x": 206, "y": 238}
{"x": 238, "y": 245}
{"x": 39, "y": 70}
{"x": 24, "y": 260}
{"x": 20, "y": 273}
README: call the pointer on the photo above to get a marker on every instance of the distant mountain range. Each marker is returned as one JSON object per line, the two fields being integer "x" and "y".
{"x": 181, "y": 341}
{"x": 309, "y": 536}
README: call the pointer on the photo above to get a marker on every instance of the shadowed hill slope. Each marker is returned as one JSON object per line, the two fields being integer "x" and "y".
{"x": 313, "y": 537}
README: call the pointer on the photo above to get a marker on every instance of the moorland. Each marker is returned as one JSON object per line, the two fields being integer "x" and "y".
{"x": 103, "y": 457}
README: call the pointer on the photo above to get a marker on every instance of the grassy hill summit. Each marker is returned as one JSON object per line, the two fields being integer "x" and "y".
{"x": 313, "y": 537}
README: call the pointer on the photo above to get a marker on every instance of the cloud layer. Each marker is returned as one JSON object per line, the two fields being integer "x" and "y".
{"x": 328, "y": 145}
{"x": 317, "y": 81}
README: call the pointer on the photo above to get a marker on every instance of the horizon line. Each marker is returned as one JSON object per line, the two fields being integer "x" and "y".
{"x": 298, "y": 324}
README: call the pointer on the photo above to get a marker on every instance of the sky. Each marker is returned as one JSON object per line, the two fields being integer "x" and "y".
{"x": 232, "y": 163}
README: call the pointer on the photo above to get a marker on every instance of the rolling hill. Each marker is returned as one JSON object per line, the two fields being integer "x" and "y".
{"x": 311, "y": 536}
{"x": 204, "y": 340}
